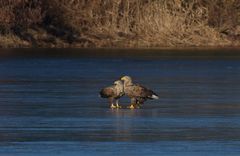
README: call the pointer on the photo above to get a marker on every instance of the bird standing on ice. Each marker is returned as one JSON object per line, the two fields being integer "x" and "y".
{"x": 113, "y": 93}
{"x": 137, "y": 93}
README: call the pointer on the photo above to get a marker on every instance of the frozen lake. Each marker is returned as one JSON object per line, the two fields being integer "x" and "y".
{"x": 50, "y": 106}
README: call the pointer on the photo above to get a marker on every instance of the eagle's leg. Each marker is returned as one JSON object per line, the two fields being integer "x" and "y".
{"x": 138, "y": 104}
{"x": 111, "y": 103}
{"x": 133, "y": 103}
{"x": 117, "y": 105}
{"x": 113, "y": 106}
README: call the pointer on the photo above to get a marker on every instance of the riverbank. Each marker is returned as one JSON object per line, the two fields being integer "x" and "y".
{"x": 42, "y": 39}
{"x": 126, "y": 53}
{"x": 119, "y": 24}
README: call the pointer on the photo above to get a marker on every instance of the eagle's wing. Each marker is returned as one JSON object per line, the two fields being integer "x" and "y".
{"x": 143, "y": 92}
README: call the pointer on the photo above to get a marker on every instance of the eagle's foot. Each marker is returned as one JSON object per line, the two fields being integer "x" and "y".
{"x": 118, "y": 106}
{"x": 113, "y": 107}
{"x": 131, "y": 106}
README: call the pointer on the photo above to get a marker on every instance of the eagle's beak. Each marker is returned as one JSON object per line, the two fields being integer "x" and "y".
{"x": 122, "y": 78}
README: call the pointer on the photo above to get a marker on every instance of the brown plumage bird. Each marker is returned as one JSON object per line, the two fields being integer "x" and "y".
{"x": 113, "y": 93}
{"x": 137, "y": 93}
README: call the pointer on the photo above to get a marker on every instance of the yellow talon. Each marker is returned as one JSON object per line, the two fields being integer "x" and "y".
{"x": 113, "y": 107}
{"x": 131, "y": 106}
{"x": 118, "y": 106}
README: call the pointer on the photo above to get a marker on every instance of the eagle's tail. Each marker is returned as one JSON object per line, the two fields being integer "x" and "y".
{"x": 154, "y": 96}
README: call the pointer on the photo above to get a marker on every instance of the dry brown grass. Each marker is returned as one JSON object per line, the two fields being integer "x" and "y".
{"x": 172, "y": 28}
{"x": 12, "y": 41}
{"x": 127, "y": 23}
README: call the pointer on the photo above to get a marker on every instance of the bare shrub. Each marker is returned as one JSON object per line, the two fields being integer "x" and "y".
{"x": 186, "y": 27}
{"x": 7, "y": 17}
{"x": 127, "y": 23}
{"x": 28, "y": 13}
{"x": 20, "y": 14}
{"x": 224, "y": 14}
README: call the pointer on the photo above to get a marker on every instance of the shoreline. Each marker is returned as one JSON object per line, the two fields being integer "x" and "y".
{"x": 151, "y": 53}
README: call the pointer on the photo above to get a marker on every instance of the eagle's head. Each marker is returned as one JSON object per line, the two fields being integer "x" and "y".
{"x": 118, "y": 82}
{"x": 126, "y": 79}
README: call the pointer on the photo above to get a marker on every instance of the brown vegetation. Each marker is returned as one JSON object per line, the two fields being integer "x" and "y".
{"x": 119, "y": 23}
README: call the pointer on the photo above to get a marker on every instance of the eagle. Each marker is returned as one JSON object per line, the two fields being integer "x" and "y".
{"x": 137, "y": 93}
{"x": 113, "y": 93}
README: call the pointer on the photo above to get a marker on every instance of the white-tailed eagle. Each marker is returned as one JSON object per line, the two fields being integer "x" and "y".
{"x": 137, "y": 93}
{"x": 113, "y": 93}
